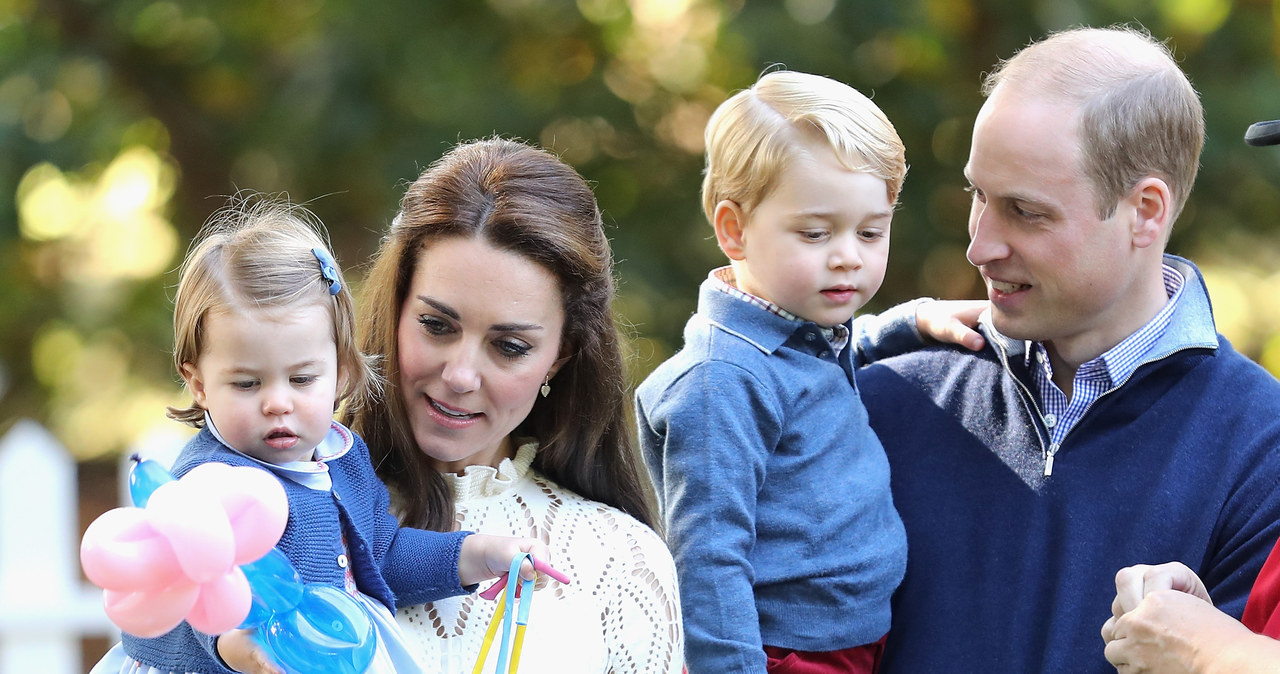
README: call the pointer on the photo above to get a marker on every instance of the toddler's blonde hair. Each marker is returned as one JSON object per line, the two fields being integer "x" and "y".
{"x": 753, "y": 135}
{"x": 256, "y": 254}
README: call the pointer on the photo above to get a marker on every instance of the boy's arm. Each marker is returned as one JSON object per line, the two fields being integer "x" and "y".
{"x": 707, "y": 436}
{"x": 914, "y": 325}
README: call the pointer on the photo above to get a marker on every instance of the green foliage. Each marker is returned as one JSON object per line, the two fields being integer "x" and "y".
{"x": 339, "y": 103}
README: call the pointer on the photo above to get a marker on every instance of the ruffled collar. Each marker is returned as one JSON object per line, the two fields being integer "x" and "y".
{"x": 483, "y": 481}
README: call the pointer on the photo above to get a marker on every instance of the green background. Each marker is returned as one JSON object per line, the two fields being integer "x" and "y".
{"x": 124, "y": 123}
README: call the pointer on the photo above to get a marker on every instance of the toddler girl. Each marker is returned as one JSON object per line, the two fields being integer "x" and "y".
{"x": 263, "y": 327}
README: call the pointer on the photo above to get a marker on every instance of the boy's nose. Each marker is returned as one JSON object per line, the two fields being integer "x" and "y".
{"x": 845, "y": 255}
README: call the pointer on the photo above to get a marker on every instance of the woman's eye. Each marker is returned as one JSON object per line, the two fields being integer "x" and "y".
{"x": 512, "y": 349}
{"x": 433, "y": 325}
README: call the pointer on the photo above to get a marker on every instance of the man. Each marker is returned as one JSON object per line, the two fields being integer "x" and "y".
{"x": 1105, "y": 423}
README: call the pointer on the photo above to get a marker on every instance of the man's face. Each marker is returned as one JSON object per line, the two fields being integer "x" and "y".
{"x": 1055, "y": 272}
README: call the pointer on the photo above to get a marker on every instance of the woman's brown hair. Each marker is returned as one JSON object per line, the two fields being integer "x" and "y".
{"x": 526, "y": 201}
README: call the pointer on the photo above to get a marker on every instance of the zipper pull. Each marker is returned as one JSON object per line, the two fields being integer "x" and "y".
{"x": 1048, "y": 459}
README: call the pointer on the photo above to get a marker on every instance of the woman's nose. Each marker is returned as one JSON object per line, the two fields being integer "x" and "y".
{"x": 460, "y": 371}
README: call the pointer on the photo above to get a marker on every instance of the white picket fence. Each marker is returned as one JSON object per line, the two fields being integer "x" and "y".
{"x": 46, "y": 608}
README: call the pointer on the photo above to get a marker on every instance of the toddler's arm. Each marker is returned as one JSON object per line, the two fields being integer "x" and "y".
{"x": 914, "y": 325}
{"x": 484, "y": 557}
{"x": 242, "y": 653}
{"x": 707, "y": 438}
{"x": 952, "y": 321}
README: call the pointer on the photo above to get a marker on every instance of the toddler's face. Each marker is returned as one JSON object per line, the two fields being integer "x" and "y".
{"x": 268, "y": 378}
{"x": 818, "y": 244}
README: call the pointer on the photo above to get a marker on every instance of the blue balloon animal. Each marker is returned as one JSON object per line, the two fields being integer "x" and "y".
{"x": 307, "y": 628}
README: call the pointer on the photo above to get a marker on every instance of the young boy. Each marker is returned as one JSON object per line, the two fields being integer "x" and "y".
{"x": 774, "y": 489}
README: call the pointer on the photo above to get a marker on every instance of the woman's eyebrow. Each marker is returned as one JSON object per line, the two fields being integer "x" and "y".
{"x": 440, "y": 306}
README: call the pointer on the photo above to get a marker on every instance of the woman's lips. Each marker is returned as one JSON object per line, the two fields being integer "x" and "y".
{"x": 450, "y": 417}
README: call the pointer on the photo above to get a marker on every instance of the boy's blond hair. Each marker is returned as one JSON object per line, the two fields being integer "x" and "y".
{"x": 256, "y": 254}
{"x": 752, "y": 137}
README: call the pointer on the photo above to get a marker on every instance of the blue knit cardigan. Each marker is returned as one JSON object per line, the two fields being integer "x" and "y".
{"x": 396, "y": 565}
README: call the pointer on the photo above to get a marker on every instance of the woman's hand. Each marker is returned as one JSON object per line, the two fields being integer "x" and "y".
{"x": 951, "y": 321}
{"x": 241, "y": 652}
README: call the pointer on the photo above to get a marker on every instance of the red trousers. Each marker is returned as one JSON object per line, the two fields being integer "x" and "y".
{"x": 863, "y": 659}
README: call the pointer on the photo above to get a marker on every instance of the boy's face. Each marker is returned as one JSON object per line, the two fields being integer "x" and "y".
{"x": 818, "y": 244}
{"x": 268, "y": 379}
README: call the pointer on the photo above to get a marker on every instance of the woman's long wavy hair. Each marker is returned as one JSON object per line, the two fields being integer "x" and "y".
{"x": 526, "y": 201}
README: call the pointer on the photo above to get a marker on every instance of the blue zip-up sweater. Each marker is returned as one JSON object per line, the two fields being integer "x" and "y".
{"x": 392, "y": 564}
{"x": 1012, "y": 571}
{"x": 774, "y": 490}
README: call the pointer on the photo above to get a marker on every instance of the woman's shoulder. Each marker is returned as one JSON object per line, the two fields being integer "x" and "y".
{"x": 589, "y": 520}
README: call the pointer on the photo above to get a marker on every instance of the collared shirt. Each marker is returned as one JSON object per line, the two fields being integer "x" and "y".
{"x": 724, "y": 280}
{"x": 1102, "y": 374}
{"x": 311, "y": 473}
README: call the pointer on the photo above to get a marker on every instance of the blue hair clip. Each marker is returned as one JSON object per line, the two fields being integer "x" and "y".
{"x": 328, "y": 269}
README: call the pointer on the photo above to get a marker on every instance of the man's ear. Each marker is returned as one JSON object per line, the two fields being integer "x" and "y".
{"x": 1152, "y": 202}
{"x": 730, "y": 225}
{"x": 195, "y": 383}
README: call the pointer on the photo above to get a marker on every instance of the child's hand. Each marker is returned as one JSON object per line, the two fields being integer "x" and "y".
{"x": 484, "y": 557}
{"x": 242, "y": 653}
{"x": 951, "y": 321}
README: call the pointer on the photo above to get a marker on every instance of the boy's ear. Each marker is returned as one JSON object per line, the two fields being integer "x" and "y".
{"x": 195, "y": 383}
{"x": 730, "y": 222}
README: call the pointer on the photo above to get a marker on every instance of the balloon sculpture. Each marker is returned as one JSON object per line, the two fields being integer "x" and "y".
{"x": 201, "y": 549}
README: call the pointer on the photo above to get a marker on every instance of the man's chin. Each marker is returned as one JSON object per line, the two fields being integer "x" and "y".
{"x": 1010, "y": 326}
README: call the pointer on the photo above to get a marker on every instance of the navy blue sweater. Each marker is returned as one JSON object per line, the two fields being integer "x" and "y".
{"x": 391, "y": 564}
{"x": 1012, "y": 571}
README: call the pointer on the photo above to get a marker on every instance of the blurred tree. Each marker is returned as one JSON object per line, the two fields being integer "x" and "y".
{"x": 122, "y": 121}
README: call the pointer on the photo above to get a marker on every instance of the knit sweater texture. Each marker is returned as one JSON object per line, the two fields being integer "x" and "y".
{"x": 390, "y": 563}
{"x": 774, "y": 490}
{"x": 1013, "y": 571}
{"x": 620, "y": 613}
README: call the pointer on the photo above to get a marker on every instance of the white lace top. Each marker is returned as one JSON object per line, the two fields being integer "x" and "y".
{"x": 620, "y": 614}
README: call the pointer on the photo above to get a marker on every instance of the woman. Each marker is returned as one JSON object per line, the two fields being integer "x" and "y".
{"x": 489, "y": 302}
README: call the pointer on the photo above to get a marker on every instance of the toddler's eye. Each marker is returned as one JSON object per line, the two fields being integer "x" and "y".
{"x": 871, "y": 234}
{"x": 244, "y": 385}
{"x": 302, "y": 379}
{"x": 813, "y": 234}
